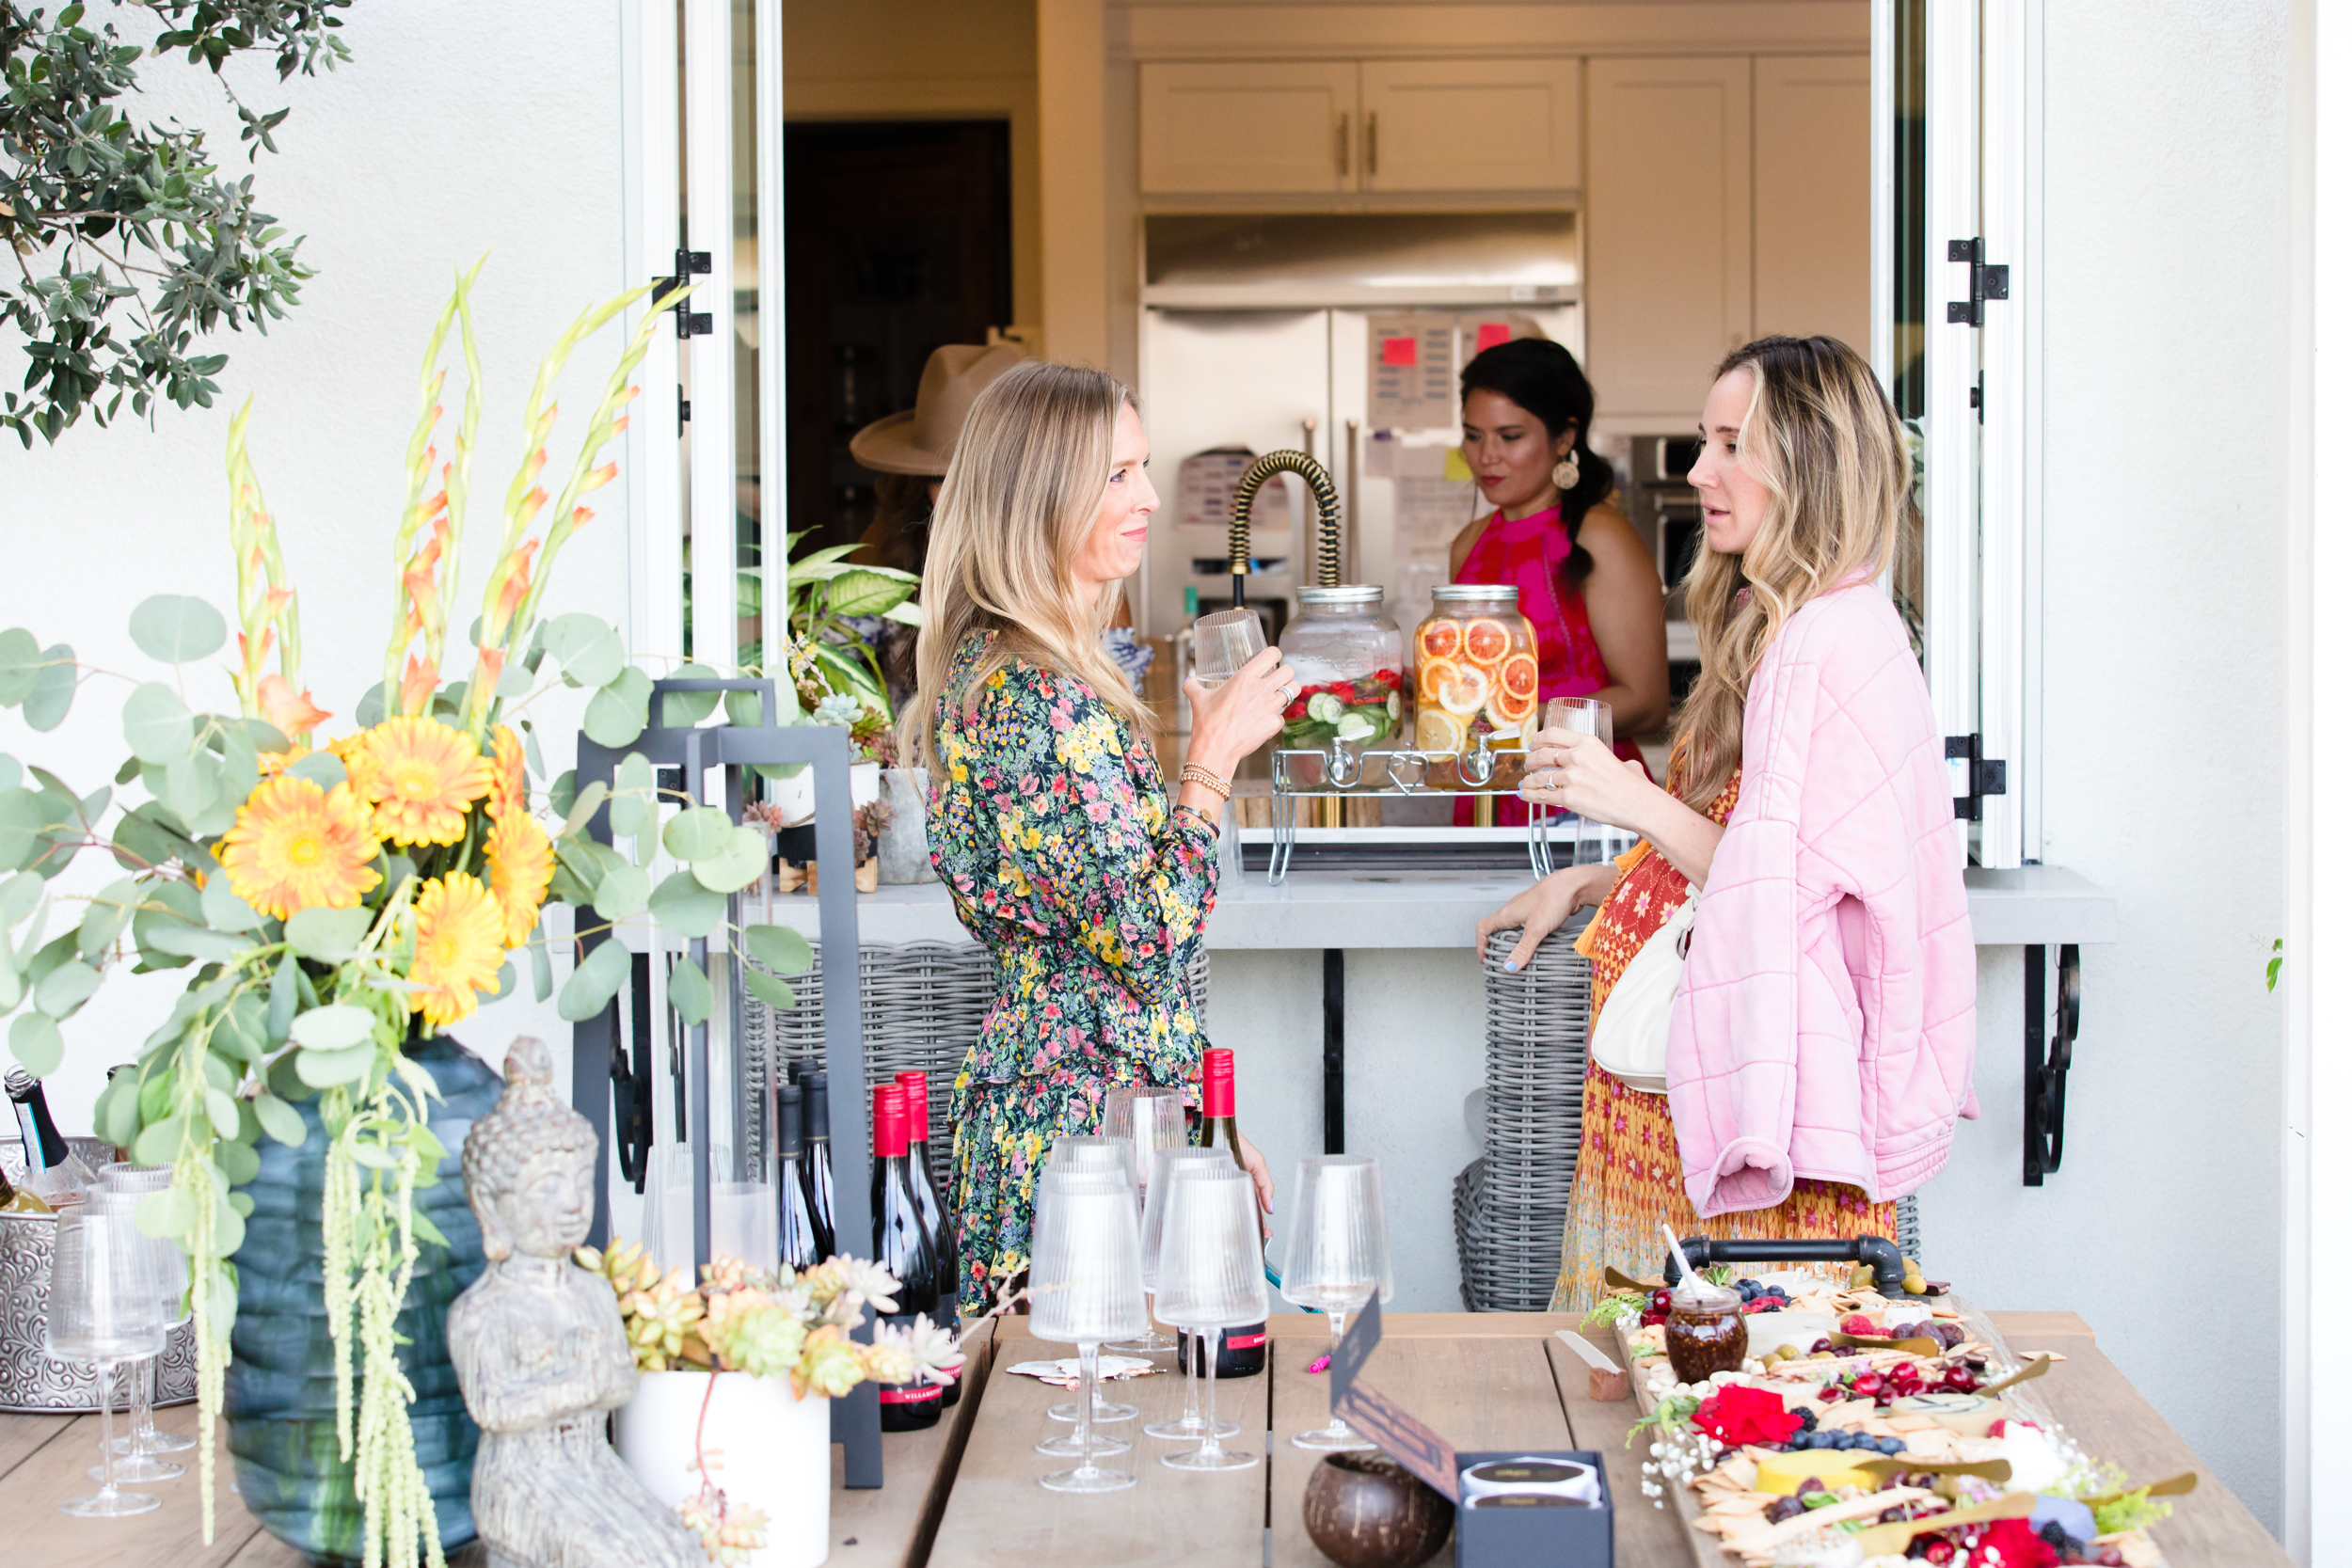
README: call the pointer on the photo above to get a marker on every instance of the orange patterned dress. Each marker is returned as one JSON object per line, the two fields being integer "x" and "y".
{"x": 1628, "y": 1175}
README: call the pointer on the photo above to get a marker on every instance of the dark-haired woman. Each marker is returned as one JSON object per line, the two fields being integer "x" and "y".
{"x": 1587, "y": 585}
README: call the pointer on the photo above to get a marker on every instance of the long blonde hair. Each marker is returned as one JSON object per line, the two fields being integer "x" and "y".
{"x": 1821, "y": 437}
{"x": 1022, "y": 493}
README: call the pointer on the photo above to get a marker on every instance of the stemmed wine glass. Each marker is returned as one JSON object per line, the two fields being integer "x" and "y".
{"x": 146, "y": 1440}
{"x": 1212, "y": 1279}
{"x": 1338, "y": 1256}
{"x": 134, "y": 1463}
{"x": 105, "y": 1306}
{"x": 1086, "y": 1287}
{"x": 1150, "y": 1117}
{"x": 1580, "y": 716}
{"x": 1114, "y": 1158}
{"x": 1174, "y": 1166}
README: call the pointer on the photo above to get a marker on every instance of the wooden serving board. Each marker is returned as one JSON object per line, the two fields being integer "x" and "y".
{"x": 1706, "y": 1549}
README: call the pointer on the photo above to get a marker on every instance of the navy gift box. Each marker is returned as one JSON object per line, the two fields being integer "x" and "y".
{"x": 1530, "y": 1536}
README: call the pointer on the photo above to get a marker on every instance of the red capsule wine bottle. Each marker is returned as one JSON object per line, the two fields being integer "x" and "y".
{"x": 902, "y": 1244}
{"x": 915, "y": 1090}
{"x": 817, "y": 1161}
{"x": 795, "y": 1229}
{"x": 1240, "y": 1352}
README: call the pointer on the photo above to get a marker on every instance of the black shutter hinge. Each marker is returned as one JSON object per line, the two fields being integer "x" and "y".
{"x": 1984, "y": 282}
{"x": 685, "y": 410}
{"x": 1972, "y": 776}
{"x": 690, "y": 324}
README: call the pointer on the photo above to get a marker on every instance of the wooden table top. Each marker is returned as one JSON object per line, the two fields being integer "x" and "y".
{"x": 964, "y": 1494}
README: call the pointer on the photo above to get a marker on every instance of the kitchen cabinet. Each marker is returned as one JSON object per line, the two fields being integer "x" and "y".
{"x": 1813, "y": 197}
{"x": 1250, "y": 129}
{"x": 1318, "y": 127}
{"x": 1472, "y": 125}
{"x": 1669, "y": 235}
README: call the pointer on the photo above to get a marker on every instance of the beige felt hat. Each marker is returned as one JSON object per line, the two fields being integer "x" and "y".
{"x": 919, "y": 440}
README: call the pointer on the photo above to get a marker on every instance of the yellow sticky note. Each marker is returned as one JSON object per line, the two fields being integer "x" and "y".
{"x": 1455, "y": 468}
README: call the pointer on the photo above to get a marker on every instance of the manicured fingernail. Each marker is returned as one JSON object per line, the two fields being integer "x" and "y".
{"x": 1511, "y": 965}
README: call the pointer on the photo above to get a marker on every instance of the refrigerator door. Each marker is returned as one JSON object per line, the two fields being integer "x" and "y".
{"x": 1223, "y": 379}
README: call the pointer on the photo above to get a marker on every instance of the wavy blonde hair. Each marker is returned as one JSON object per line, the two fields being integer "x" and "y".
{"x": 1022, "y": 493}
{"x": 1821, "y": 437}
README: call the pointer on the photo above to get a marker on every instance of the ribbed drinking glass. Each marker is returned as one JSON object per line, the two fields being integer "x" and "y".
{"x": 145, "y": 1439}
{"x": 1152, "y": 1118}
{"x": 1114, "y": 1155}
{"x": 105, "y": 1306}
{"x": 1338, "y": 1257}
{"x": 1170, "y": 1166}
{"x": 1086, "y": 1287}
{"x": 1212, "y": 1277}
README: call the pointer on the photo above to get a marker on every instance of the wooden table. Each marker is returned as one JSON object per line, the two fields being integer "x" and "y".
{"x": 964, "y": 1494}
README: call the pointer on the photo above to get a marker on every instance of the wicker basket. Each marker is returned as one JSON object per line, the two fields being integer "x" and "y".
{"x": 921, "y": 1004}
{"x": 1511, "y": 1203}
{"x": 30, "y": 1382}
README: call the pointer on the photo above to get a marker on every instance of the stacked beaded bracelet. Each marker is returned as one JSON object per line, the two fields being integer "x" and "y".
{"x": 1195, "y": 773}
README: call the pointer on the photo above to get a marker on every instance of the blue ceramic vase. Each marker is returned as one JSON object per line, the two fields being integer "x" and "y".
{"x": 280, "y": 1396}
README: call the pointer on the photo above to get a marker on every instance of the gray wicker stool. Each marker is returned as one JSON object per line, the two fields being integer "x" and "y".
{"x": 1511, "y": 1203}
{"x": 921, "y": 1004}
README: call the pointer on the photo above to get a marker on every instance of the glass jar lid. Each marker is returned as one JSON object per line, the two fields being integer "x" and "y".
{"x": 1351, "y": 594}
{"x": 1452, "y": 592}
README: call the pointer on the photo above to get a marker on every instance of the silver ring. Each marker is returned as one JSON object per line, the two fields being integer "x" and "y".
{"x": 1289, "y": 694}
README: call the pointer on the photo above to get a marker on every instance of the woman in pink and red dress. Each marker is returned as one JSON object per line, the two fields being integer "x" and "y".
{"x": 1587, "y": 584}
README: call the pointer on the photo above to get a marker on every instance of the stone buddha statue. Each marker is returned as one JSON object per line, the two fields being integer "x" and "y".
{"x": 539, "y": 1350}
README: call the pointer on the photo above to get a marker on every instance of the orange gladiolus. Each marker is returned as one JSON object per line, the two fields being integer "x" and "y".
{"x": 292, "y": 711}
{"x": 418, "y": 685}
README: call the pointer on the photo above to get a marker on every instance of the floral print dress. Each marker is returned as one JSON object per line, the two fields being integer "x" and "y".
{"x": 1052, "y": 832}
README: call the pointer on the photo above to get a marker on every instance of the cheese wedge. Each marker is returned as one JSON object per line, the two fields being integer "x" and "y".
{"x": 1965, "y": 1415}
{"x": 1781, "y": 1474}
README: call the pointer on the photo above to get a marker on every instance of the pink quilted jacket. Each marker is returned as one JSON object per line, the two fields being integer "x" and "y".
{"x": 1826, "y": 1023}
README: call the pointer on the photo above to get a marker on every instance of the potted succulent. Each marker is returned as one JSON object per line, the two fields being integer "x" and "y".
{"x": 731, "y": 1423}
{"x": 337, "y": 896}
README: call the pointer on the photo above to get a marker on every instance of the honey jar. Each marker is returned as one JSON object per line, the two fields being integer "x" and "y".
{"x": 1705, "y": 1332}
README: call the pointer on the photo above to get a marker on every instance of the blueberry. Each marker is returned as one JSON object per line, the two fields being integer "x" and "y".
{"x": 1890, "y": 1445}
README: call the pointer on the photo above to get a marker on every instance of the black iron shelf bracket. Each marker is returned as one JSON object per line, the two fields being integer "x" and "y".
{"x": 2049, "y": 1052}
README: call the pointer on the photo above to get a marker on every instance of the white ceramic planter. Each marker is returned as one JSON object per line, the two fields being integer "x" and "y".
{"x": 795, "y": 797}
{"x": 865, "y": 783}
{"x": 766, "y": 1450}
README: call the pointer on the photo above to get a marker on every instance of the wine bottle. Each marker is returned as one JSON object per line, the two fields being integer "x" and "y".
{"x": 20, "y": 1201}
{"x": 1241, "y": 1351}
{"x": 795, "y": 1229}
{"x": 916, "y": 1092}
{"x": 817, "y": 1161}
{"x": 43, "y": 1146}
{"x": 902, "y": 1244}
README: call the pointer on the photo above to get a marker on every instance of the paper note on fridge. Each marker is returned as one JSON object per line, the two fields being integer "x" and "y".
{"x": 1410, "y": 374}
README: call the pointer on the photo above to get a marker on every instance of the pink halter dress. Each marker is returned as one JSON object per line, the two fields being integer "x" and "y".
{"x": 1531, "y": 555}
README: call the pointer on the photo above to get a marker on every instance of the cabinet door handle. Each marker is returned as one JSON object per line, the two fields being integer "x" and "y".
{"x": 1339, "y": 146}
{"x": 1372, "y": 142}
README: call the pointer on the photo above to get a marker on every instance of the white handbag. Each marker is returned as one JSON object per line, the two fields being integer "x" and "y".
{"x": 1629, "y": 1041}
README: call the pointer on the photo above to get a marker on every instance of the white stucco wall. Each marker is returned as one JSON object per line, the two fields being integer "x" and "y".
{"x": 2167, "y": 208}
{"x": 456, "y": 129}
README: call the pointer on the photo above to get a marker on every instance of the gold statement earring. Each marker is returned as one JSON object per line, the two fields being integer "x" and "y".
{"x": 1566, "y": 472}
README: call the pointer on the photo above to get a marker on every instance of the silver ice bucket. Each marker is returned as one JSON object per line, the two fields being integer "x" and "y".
{"x": 29, "y": 1381}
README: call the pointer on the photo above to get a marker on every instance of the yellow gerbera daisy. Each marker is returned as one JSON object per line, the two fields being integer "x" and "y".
{"x": 420, "y": 777}
{"x": 509, "y": 787}
{"x": 352, "y": 751}
{"x": 458, "y": 948}
{"x": 522, "y": 861}
{"x": 297, "y": 847}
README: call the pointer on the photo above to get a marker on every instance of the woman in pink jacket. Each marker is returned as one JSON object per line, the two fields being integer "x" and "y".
{"x": 1824, "y": 1029}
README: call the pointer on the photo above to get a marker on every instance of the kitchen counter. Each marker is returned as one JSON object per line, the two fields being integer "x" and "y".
{"x": 2035, "y": 904}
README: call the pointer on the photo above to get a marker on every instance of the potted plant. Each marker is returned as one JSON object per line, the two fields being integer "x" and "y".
{"x": 337, "y": 903}
{"x": 731, "y": 1423}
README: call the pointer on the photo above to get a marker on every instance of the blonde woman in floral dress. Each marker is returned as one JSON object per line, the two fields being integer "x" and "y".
{"x": 1049, "y": 822}
{"x": 1823, "y": 1033}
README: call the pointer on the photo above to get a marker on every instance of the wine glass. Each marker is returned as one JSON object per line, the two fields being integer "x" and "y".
{"x": 145, "y": 1439}
{"x": 105, "y": 1306}
{"x": 1222, "y": 641}
{"x": 1212, "y": 1279}
{"x": 1115, "y": 1159}
{"x": 1174, "y": 1166}
{"x": 1086, "y": 1287}
{"x": 139, "y": 1372}
{"x": 1150, "y": 1117}
{"x": 1580, "y": 716}
{"x": 1338, "y": 1256}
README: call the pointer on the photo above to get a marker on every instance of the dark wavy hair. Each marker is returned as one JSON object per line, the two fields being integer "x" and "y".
{"x": 1545, "y": 379}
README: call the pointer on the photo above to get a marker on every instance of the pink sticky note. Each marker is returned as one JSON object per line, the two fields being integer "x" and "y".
{"x": 1400, "y": 350}
{"x": 1491, "y": 333}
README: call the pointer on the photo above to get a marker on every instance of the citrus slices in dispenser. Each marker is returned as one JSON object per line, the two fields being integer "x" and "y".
{"x": 1518, "y": 677}
{"x": 1510, "y": 709}
{"x": 1460, "y": 689}
{"x": 1436, "y": 730}
{"x": 1441, "y": 639}
{"x": 1484, "y": 641}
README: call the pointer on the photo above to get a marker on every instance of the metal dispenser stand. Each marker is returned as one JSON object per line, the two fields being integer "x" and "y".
{"x": 857, "y": 1416}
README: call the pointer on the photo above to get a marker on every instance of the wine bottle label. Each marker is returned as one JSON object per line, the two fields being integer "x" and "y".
{"x": 1245, "y": 1342}
{"x": 913, "y": 1393}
